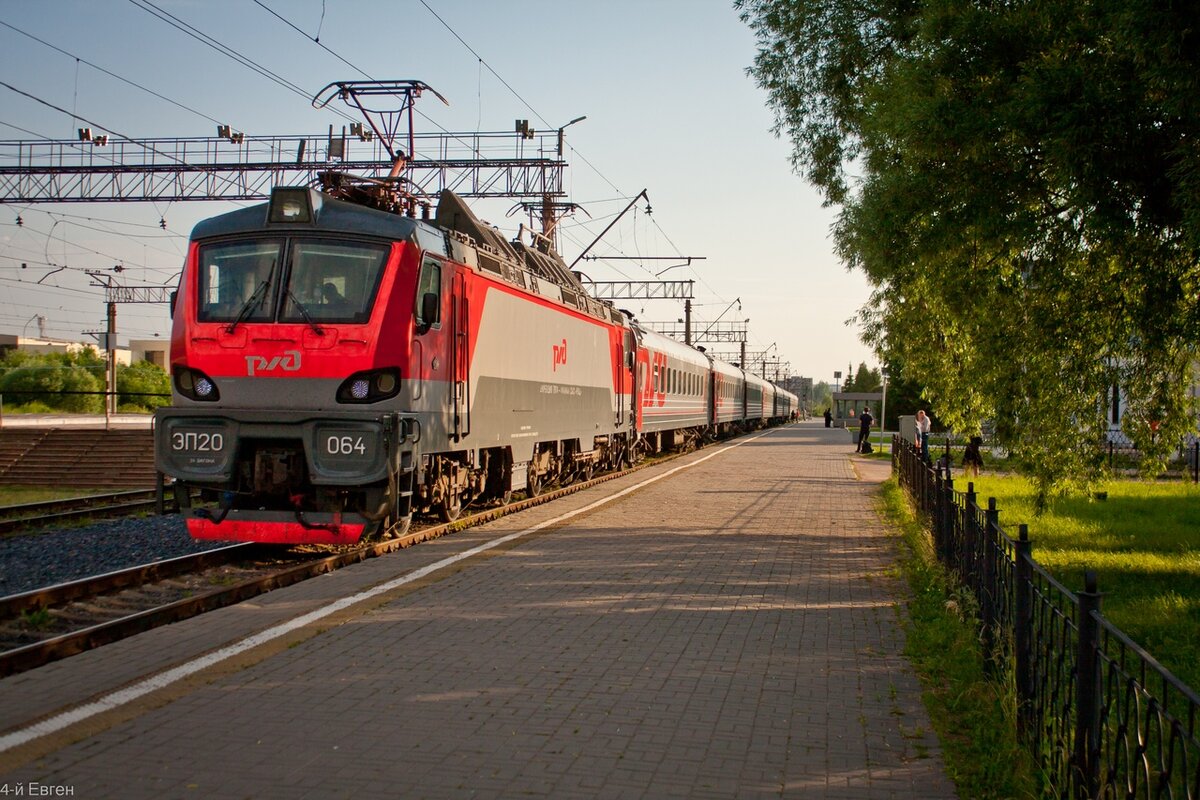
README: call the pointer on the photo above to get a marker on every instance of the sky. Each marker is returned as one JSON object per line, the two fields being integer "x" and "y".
{"x": 663, "y": 84}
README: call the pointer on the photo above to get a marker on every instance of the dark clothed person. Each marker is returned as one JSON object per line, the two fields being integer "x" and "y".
{"x": 864, "y": 428}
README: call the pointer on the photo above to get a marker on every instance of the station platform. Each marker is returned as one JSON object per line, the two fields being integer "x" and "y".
{"x": 721, "y": 625}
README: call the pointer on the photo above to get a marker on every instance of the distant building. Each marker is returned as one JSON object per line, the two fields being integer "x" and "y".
{"x": 9, "y": 342}
{"x": 156, "y": 351}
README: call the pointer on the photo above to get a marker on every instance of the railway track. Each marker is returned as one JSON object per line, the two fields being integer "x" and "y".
{"x": 34, "y": 516}
{"x": 48, "y": 624}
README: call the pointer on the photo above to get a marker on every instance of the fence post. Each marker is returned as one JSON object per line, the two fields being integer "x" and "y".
{"x": 967, "y": 573}
{"x": 939, "y": 523}
{"x": 946, "y": 500}
{"x": 1196, "y": 461}
{"x": 987, "y": 590}
{"x": 1087, "y": 692}
{"x": 1023, "y": 633}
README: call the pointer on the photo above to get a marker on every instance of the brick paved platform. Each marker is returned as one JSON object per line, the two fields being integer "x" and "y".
{"x": 729, "y": 630}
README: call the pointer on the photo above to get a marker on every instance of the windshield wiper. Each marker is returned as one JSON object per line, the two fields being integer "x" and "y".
{"x": 317, "y": 329}
{"x": 251, "y": 301}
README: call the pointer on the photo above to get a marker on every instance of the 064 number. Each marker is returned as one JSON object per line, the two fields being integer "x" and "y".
{"x": 345, "y": 446}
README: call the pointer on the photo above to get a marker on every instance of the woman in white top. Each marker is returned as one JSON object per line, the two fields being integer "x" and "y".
{"x": 923, "y": 423}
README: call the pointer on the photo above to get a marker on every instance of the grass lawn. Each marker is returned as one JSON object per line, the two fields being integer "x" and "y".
{"x": 1143, "y": 542}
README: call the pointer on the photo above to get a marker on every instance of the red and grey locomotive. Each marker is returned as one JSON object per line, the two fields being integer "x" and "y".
{"x": 336, "y": 368}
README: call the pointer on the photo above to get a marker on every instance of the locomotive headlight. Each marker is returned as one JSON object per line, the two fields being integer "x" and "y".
{"x": 293, "y": 204}
{"x": 370, "y": 387}
{"x": 195, "y": 385}
{"x": 385, "y": 383}
{"x": 291, "y": 211}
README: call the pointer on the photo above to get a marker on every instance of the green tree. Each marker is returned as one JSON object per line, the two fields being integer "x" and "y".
{"x": 65, "y": 381}
{"x": 1025, "y": 202}
{"x": 143, "y": 386}
{"x": 822, "y": 395}
{"x": 904, "y": 398}
{"x": 865, "y": 380}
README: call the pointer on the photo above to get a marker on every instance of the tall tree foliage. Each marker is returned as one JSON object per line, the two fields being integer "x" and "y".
{"x": 1020, "y": 182}
{"x": 865, "y": 380}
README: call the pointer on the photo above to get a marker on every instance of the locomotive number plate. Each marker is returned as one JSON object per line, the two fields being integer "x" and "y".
{"x": 197, "y": 441}
{"x": 198, "y": 448}
{"x": 344, "y": 450}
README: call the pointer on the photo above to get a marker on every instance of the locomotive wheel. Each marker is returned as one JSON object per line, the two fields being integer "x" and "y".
{"x": 533, "y": 486}
{"x": 400, "y": 525}
{"x": 399, "y": 520}
{"x": 449, "y": 507}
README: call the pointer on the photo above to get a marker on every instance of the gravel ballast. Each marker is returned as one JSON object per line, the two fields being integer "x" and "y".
{"x": 57, "y": 556}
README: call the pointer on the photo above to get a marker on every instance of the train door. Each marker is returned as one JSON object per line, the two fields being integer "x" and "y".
{"x": 714, "y": 404}
{"x": 460, "y": 354}
{"x": 627, "y": 379}
{"x": 426, "y": 370}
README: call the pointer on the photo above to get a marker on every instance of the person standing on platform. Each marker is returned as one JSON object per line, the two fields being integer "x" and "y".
{"x": 828, "y": 418}
{"x": 923, "y": 425}
{"x": 864, "y": 429}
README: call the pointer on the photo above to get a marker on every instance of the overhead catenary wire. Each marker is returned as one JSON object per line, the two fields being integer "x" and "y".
{"x": 110, "y": 73}
{"x": 515, "y": 93}
{"x": 483, "y": 62}
{"x": 315, "y": 40}
{"x": 227, "y": 51}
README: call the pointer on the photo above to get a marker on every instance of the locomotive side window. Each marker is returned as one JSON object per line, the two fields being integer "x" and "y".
{"x": 237, "y": 281}
{"x": 427, "y": 313}
{"x": 332, "y": 281}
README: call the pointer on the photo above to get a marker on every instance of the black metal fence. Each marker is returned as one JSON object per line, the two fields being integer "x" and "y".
{"x": 1102, "y": 718}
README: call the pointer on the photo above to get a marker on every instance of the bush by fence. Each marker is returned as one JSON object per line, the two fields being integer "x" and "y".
{"x": 1102, "y": 717}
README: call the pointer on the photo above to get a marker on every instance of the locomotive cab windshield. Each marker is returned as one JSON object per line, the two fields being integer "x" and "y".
{"x": 297, "y": 280}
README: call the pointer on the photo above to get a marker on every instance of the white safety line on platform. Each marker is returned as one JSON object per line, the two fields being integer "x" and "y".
{"x": 162, "y": 680}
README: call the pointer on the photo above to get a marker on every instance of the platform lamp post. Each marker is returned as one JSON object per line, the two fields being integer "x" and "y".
{"x": 837, "y": 376}
{"x": 883, "y": 410}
